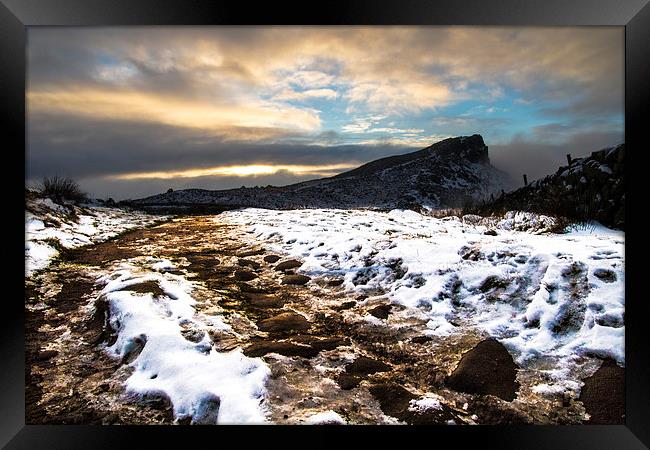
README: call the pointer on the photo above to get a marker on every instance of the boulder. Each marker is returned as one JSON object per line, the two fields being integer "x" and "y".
{"x": 486, "y": 369}
{"x": 603, "y": 394}
{"x": 287, "y": 265}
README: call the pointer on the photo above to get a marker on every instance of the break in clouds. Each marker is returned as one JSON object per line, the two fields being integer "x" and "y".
{"x": 130, "y": 112}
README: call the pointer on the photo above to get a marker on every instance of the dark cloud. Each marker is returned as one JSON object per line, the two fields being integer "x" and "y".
{"x": 539, "y": 158}
{"x": 92, "y": 150}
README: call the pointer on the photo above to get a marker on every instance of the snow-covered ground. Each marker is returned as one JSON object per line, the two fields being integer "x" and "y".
{"x": 551, "y": 296}
{"x": 49, "y": 224}
{"x": 175, "y": 356}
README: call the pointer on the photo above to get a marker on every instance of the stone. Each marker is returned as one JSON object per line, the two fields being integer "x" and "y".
{"x": 133, "y": 348}
{"x": 261, "y": 348}
{"x": 603, "y": 394}
{"x": 486, "y": 369}
{"x": 393, "y": 399}
{"x": 380, "y": 312}
{"x": 605, "y": 275}
{"x": 366, "y": 366}
{"x": 207, "y": 411}
{"x": 264, "y": 300}
{"x": 248, "y": 263}
{"x": 271, "y": 259}
{"x": 295, "y": 279}
{"x": 285, "y": 322}
{"x": 244, "y": 275}
{"x": 146, "y": 287}
{"x": 287, "y": 265}
{"x": 347, "y": 305}
{"x": 321, "y": 343}
{"x": 335, "y": 282}
{"x": 248, "y": 253}
{"x": 347, "y": 381}
{"x": 46, "y": 354}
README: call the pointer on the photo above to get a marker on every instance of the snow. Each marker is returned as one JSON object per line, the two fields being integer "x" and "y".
{"x": 190, "y": 374}
{"x": 425, "y": 403}
{"x": 48, "y": 223}
{"x": 535, "y": 292}
{"x": 326, "y": 417}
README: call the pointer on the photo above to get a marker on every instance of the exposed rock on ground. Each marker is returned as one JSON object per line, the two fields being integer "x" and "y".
{"x": 487, "y": 369}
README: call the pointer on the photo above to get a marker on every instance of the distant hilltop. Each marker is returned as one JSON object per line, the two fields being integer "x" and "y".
{"x": 450, "y": 173}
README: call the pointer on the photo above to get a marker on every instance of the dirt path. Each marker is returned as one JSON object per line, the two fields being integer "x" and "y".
{"x": 326, "y": 351}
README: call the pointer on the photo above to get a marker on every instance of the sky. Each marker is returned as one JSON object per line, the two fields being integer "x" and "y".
{"x": 132, "y": 111}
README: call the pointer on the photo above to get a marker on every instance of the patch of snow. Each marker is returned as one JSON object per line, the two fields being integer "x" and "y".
{"x": 71, "y": 226}
{"x": 424, "y": 404}
{"x": 325, "y": 418}
{"x": 191, "y": 374}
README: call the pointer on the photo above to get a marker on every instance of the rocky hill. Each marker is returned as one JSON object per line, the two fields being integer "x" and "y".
{"x": 590, "y": 188}
{"x": 449, "y": 173}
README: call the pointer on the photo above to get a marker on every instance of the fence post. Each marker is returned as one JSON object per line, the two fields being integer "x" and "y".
{"x": 525, "y": 180}
{"x": 568, "y": 158}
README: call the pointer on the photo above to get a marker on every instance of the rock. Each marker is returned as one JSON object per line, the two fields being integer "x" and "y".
{"x": 380, "y": 312}
{"x": 335, "y": 282}
{"x": 244, "y": 275}
{"x": 286, "y": 265}
{"x": 264, "y": 300}
{"x": 490, "y": 233}
{"x": 393, "y": 399}
{"x": 493, "y": 282}
{"x": 347, "y": 381}
{"x": 492, "y": 411}
{"x": 248, "y": 263}
{"x": 271, "y": 259}
{"x": 207, "y": 411}
{"x": 421, "y": 339}
{"x": 248, "y": 253}
{"x": 295, "y": 279}
{"x": 146, "y": 287}
{"x": 603, "y": 394}
{"x": 365, "y": 366}
{"x": 157, "y": 400}
{"x": 608, "y": 276}
{"x": 347, "y": 305}
{"x": 133, "y": 348}
{"x": 321, "y": 343}
{"x": 193, "y": 335}
{"x": 285, "y": 322}
{"x": 487, "y": 369}
{"x": 46, "y": 354}
{"x": 261, "y": 348}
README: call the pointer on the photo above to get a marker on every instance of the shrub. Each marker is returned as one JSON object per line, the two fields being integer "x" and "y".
{"x": 61, "y": 188}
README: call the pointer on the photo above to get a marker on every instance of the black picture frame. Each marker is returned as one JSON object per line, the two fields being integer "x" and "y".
{"x": 634, "y": 15}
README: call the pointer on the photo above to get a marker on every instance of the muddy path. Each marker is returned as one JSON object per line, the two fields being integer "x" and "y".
{"x": 326, "y": 351}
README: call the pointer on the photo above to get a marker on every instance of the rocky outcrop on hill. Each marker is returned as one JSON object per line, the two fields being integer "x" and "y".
{"x": 590, "y": 188}
{"x": 449, "y": 173}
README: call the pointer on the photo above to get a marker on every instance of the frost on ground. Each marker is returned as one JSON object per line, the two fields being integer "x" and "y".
{"x": 50, "y": 226}
{"x": 546, "y": 297}
{"x": 168, "y": 344}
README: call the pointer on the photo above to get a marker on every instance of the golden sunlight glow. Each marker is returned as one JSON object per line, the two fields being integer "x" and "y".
{"x": 169, "y": 110}
{"x": 242, "y": 171}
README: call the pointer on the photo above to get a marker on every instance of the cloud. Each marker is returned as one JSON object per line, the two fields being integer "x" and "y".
{"x": 540, "y": 158}
{"x": 289, "y": 94}
{"x": 107, "y": 100}
{"x": 171, "y": 110}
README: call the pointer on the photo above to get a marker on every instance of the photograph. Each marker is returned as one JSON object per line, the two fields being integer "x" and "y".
{"x": 325, "y": 225}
